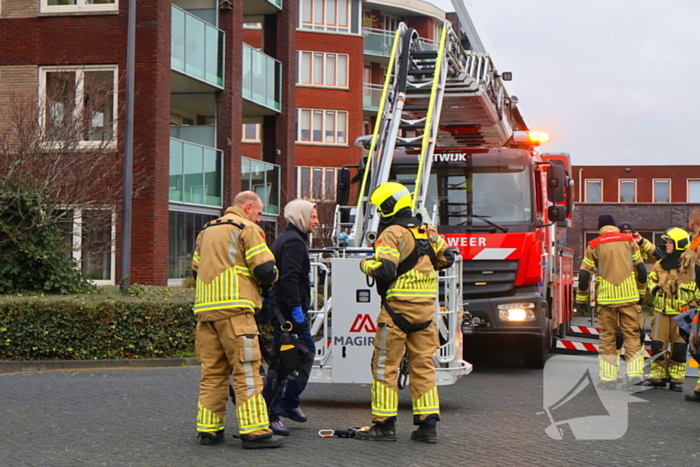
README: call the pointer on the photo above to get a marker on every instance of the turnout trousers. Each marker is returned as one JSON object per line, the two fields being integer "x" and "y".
{"x": 389, "y": 345}
{"x": 628, "y": 317}
{"x": 667, "y": 363}
{"x": 224, "y": 347}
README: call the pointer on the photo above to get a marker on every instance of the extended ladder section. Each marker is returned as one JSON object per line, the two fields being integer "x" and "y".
{"x": 433, "y": 96}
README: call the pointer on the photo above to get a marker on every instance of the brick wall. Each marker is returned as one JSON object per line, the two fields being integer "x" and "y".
{"x": 17, "y": 83}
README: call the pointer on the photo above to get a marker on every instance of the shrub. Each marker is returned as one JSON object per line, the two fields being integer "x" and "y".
{"x": 154, "y": 322}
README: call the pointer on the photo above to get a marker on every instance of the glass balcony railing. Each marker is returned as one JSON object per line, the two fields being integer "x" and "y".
{"x": 372, "y": 93}
{"x": 262, "y": 76}
{"x": 197, "y": 48}
{"x": 195, "y": 173}
{"x": 379, "y": 42}
{"x": 264, "y": 179}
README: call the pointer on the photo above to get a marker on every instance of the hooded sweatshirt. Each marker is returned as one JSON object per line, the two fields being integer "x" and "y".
{"x": 298, "y": 212}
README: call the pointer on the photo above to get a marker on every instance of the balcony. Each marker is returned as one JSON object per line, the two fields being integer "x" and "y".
{"x": 195, "y": 174}
{"x": 262, "y": 90}
{"x": 378, "y": 42}
{"x": 261, "y": 7}
{"x": 197, "y": 52}
{"x": 264, "y": 179}
{"x": 372, "y": 93}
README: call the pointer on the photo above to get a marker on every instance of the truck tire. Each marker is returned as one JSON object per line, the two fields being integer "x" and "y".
{"x": 535, "y": 355}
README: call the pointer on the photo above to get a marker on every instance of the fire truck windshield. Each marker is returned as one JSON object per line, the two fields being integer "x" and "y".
{"x": 468, "y": 196}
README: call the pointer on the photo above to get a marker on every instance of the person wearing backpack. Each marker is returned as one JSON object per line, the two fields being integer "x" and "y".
{"x": 407, "y": 255}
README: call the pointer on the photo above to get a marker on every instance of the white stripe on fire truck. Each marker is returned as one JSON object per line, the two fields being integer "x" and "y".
{"x": 494, "y": 253}
{"x": 594, "y": 333}
{"x": 585, "y": 347}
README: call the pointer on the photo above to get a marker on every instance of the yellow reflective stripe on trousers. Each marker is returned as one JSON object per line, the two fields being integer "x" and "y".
{"x": 255, "y": 250}
{"x": 588, "y": 262}
{"x": 608, "y": 370}
{"x": 657, "y": 371}
{"x": 581, "y": 297}
{"x": 428, "y": 403}
{"x": 635, "y": 367}
{"x": 252, "y": 415}
{"x": 385, "y": 401}
{"x": 677, "y": 371}
{"x": 208, "y": 420}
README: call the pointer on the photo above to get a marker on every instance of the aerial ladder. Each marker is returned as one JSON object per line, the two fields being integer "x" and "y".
{"x": 433, "y": 94}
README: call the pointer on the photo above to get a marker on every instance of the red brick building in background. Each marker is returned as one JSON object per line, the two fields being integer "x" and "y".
{"x": 231, "y": 95}
{"x": 653, "y": 198}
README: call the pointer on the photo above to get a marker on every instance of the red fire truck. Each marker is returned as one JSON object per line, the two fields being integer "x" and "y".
{"x": 507, "y": 211}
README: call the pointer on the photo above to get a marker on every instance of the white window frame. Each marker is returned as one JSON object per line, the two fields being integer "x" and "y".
{"x": 309, "y": 195}
{"x": 585, "y": 182}
{"x": 79, "y": 89}
{"x": 77, "y": 246}
{"x": 326, "y": 113}
{"x": 322, "y": 25}
{"x": 81, "y": 5}
{"x": 619, "y": 189}
{"x": 325, "y": 59}
{"x": 653, "y": 189}
{"x": 257, "y": 133}
{"x": 687, "y": 193}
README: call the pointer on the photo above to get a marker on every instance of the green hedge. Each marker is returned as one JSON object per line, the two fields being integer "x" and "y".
{"x": 154, "y": 322}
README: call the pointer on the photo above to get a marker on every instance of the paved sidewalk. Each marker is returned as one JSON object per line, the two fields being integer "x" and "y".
{"x": 145, "y": 417}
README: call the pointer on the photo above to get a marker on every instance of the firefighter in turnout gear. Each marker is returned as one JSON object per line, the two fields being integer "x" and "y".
{"x": 691, "y": 259}
{"x": 671, "y": 292}
{"x": 231, "y": 262}
{"x": 407, "y": 255}
{"x": 617, "y": 261}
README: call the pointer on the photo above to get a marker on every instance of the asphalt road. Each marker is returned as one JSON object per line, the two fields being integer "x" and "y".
{"x": 495, "y": 416}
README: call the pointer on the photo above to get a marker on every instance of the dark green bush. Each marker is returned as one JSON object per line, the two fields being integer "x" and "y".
{"x": 154, "y": 322}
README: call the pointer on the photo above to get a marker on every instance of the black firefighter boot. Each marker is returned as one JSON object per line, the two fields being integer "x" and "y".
{"x": 427, "y": 431}
{"x": 676, "y": 387}
{"x": 381, "y": 431}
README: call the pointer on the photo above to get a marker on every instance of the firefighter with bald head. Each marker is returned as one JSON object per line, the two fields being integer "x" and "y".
{"x": 407, "y": 255}
{"x": 616, "y": 260}
{"x": 231, "y": 263}
{"x": 672, "y": 289}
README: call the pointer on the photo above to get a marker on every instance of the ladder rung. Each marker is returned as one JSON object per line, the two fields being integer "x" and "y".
{"x": 422, "y": 71}
{"x": 407, "y": 126}
{"x": 424, "y": 54}
{"x": 408, "y": 144}
{"x": 415, "y": 108}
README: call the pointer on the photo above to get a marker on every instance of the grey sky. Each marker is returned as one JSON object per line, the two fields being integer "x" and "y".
{"x": 612, "y": 81}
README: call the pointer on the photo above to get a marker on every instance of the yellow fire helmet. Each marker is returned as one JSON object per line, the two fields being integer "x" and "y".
{"x": 390, "y": 198}
{"x": 679, "y": 237}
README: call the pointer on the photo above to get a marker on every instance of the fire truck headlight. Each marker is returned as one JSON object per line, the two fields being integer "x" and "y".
{"x": 517, "y": 311}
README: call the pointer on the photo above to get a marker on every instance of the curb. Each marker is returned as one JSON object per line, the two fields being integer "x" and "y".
{"x": 50, "y": 365}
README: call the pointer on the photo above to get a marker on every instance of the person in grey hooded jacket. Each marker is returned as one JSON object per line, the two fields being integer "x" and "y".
{"x": 292, "y": 295}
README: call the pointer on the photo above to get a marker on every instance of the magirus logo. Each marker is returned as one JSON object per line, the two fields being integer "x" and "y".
{"x": 577, "y": 407}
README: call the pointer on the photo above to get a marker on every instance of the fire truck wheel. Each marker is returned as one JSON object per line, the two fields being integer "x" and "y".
{"x": 535, "y": 355}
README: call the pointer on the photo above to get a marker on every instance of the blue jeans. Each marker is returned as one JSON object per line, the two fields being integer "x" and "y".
{"x": 285, "y": 395}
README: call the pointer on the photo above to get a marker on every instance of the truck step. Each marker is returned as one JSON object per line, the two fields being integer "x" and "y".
{"x": 593, "y": 333}
{"x": 583, "y": 348}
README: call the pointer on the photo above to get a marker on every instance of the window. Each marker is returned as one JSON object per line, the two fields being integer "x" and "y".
{"x": 693, "y": 191}
{"x": 325, "y": 15}
{"x": 182, "y": 232}
{"x": 594, "y": 191}
{"x": 90, "y": 236}
{"x": 322, "y": 126}
{"x": 628, "y": 191}
{"x": 60, "y": 6}
{"x": 317, "y": 183}
{"x": 323, "y": 69}
{"x": 251, "y": 133}
{"x": 79, "y": 103}
{"x": 662, "y": 191}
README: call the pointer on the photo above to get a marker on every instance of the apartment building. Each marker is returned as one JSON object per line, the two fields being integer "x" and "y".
{"x": 196, "y": 83}
{"x": 652, "y": 198}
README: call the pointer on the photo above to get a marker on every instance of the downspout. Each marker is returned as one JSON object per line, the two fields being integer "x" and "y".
{"x": 580, "y": 186}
